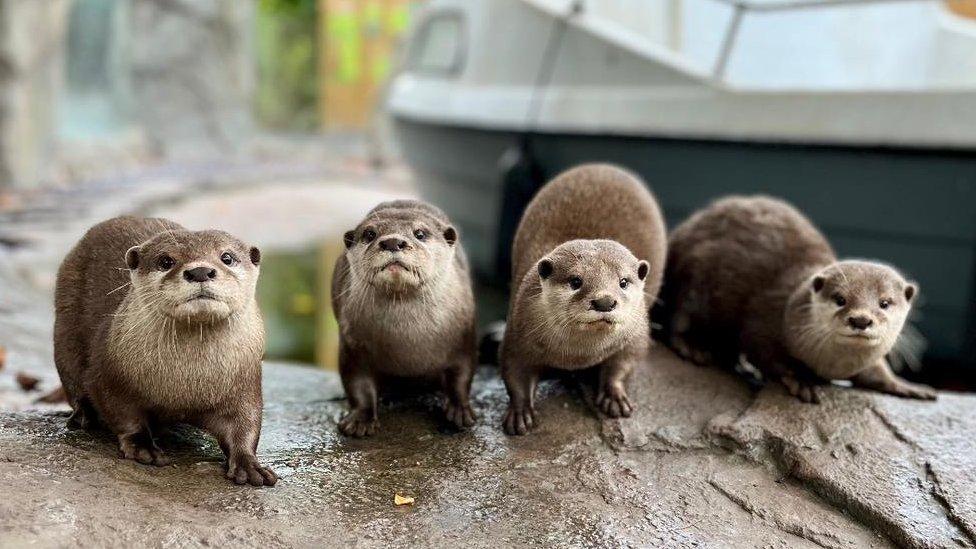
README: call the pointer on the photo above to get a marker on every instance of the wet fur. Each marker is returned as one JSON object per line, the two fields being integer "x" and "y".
{"x": 424, "y": 327}
{"x": 740, "y": 280}
{"x": 132, "y": 356}
{"x": 601, "y": 223}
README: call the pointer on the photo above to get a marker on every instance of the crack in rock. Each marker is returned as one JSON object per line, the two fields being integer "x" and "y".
{"x": 935, "y": 488}
{"x": 821, "y": 539}
{"x": 893, "y": 429}
{"x": 766, "y": 447}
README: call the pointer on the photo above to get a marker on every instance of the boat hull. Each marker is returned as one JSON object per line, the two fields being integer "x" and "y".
{"x": 913, "y": 208}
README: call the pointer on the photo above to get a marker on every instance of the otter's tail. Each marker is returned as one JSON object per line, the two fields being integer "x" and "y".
{"x": 908, "y": 350}
{"x": 490, "y": 344}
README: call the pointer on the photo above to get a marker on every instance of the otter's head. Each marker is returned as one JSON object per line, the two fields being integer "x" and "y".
{"x": 859, "y": 305}
{"x": 400, "y": 246}
{"x": 196, "y": 276}
{"x": 592, "y": 286}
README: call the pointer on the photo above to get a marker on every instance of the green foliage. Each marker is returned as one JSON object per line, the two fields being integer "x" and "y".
{"x": 287, "y": 59}
{"x": 286, "y": 292}
{"x": 287, "y": 6}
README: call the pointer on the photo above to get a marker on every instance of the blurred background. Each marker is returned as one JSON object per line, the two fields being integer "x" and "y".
{"x": 284, "y": 121}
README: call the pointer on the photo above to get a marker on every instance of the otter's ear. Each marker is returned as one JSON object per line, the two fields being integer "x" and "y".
{"x": 642, "y": 268}
{"x": 349, "y": 238}
{"x": 818, "y": 283}
{"x": 255, "y": 255}
{"x": 910, "y": 291}
{"x": 132, "y": 258}
{"x": 545, "y": 269}
{"x": 450, "y": 235}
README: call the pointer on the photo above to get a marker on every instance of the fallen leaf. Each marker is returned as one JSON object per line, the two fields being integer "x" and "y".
{"x": 27, "y": 382}
{"x": 402, "y": 500}
{"x": 8, "y": 201}
{"x": 56, "y": 396}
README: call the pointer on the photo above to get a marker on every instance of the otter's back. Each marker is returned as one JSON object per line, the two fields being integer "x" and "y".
{"x": 595, "y": 201}
{"x": 92, "y": 281}
{"x": 741, "y": 253}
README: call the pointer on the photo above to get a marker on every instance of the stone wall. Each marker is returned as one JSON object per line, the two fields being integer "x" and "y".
{"x": 182, "y": 78}
{"x": 192, "y": 74}
{"x": 31, "y": 68}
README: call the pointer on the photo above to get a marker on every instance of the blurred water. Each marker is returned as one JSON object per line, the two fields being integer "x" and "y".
{"x": 92, "y": 102}
{"x": 296, "y": 307}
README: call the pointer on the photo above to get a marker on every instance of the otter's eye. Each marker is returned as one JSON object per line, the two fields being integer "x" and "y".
{"x": 575, "y": 283}
{"x": 420, "y": 234}
{"x": 839, "y": 300}
{"x": 885, "y": 303}
{"x": 165, "y": 263}
{"x": 227, "y": 258}
{"x": 624, "y": 283}
{"x": 369, "y": 235}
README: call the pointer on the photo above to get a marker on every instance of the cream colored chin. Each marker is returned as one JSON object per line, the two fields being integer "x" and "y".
{"x": 396, "y": 275}
{"x": 599, "y": 326}
{"x": 202, "y": 310}
{"x": 858, "y": 340}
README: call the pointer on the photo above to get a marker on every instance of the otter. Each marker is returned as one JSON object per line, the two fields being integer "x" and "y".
{"x": 156, "y": 325}
{"x": 588, "y": 259}
{"x": 403, "y": 298}
{"x": 753, "y": 276}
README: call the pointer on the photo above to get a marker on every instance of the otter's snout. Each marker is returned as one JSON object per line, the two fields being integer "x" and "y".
{"x": 393, "y": 244}
{"x": 604, "y": 304}
{"x": 859, "y": 322}
{"x": 200, "y": 274}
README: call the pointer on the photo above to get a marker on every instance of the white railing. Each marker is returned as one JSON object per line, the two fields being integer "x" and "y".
{"x": 740, "y": 8}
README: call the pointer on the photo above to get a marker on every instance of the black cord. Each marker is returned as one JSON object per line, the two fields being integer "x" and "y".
{"x": 546, "y": 69}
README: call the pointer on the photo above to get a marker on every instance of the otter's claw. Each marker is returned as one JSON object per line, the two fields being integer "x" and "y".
{"x": 358, "y": 423}
{"x": 911, "y": 390}
{"x": 614, "y": 402}
{"x": 519, "y": 420}
{"x": 249, "y": 471}
{"x": 686, "y": 351}
{"x": 461, "y": 415}
{"x": 144, "y": 454}
{"x": 806, "y": 392}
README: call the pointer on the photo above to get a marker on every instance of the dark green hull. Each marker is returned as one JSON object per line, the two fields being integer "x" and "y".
{"x": 913, "y": 208}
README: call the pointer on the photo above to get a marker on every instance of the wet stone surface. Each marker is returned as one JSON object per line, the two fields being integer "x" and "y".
{"x": 704, "y": 462}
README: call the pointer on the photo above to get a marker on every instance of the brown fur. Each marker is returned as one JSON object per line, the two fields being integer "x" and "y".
{"x": 601, "y": 224}
{"x": 753, "y": 276}
{"x": 415, "y": 320}
{"x": 136, "y": 351}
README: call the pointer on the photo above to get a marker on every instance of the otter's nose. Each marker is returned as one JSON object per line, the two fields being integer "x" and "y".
{"x": 393, "y": 244}
{"x": 604, "y": 304}
{"x": 859, "y": 322}
{"x": 200, "y": 274}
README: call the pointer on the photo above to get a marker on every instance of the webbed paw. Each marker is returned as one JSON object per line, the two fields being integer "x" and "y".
{"x": 249, "y": 471}
{"x": 519, "y": 420}
{"x": 613, "y": 401}
{"x": 358, "y": 423}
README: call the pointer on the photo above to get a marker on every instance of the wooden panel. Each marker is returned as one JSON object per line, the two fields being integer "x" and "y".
{"x": 357, "y": 42}
{"x": 965, "y": 8}
{"x": 326, "y": 326}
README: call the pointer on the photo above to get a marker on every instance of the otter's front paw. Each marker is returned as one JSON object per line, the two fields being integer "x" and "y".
{"x": 686, "y": 351}
{"x": 249, "y": 471}
{"x": 613, "y": 402}
{"x": 358, "y": 423}
{"x": 912, "y": 390}
{"x": 461, "y": 415}
{"x": 519, "y": 420}
{"x": 146, "y": 455}
{"x": 803, "y": 390}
